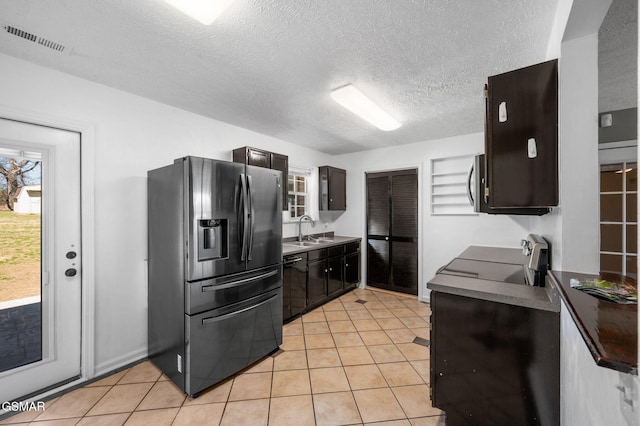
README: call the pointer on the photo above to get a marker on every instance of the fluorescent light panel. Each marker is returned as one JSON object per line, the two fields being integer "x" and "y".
{"x": 204, "y": 11}
{"x": 353, "y": 100}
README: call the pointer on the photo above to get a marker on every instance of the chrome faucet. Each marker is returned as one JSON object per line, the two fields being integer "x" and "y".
{"x": 304, "y": 216}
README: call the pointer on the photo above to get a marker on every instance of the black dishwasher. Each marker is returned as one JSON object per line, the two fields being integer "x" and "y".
{"x": 294, "y": 285}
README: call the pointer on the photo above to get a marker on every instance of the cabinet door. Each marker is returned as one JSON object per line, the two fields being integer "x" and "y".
{"x": 316, "y": 281}
{"x": 337, "y": 189}
{"x": 351, "y": 270}
{"x": 522, "y": 142}
{"x": 281, "y": 162}
{"x": 334, "y": 275}
{"x": 333, "y": 188}
{"x": 258, "y": 158}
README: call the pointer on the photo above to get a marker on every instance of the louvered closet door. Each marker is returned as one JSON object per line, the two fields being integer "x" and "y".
{"x": 378, "y": 226}
{"x": 392, "y": 230}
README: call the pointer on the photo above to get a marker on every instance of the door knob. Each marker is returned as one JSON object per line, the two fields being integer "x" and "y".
{"x": 71, "y": 272}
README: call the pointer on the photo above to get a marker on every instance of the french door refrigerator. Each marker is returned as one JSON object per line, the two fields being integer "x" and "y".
{"x": 215, "y": 273}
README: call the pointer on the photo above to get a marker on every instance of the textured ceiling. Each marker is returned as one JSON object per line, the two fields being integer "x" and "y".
{"x": 269, "y": 65}
{"x": 618, "y": 57}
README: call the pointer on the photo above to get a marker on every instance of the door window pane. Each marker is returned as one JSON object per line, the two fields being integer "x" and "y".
{"x": 632, "y": 239}
{"x": 611, "y": 208}
{"x": 611, "y": 238}
{"x": 632, "y": 176}
{"x": 611, "y": 178}
{"x": 20, "y": 262}
{"x": 611, "y": 263}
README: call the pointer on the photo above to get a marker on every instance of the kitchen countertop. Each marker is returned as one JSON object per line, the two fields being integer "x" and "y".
{"x": 610, "y": 330}
{"x": 543, "y": 298}
{"x": 336, "y": 241}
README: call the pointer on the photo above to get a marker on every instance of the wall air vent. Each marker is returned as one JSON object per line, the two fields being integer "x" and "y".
{"x": 34, "y": 38}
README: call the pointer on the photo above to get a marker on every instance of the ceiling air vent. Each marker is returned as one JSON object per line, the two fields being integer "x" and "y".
{"x": 34, "y": 38}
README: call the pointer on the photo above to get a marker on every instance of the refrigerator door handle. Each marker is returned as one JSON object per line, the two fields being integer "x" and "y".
{"x": 243, "y": 212}
{"x": 209, "y": 320}
{"x": 252, "y": 215}
{"x": 238, "y": 283}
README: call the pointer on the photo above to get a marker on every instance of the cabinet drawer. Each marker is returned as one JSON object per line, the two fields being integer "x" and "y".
{"x": 335, "y": 251}
{"x": 317, "y": 254}
{"x": 203, "y": 295}
{"x": 225, "y": 340}
{"x": 352, "y": 247}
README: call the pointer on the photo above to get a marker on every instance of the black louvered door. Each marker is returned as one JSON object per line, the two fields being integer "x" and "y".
{"x": 392, "y": 230}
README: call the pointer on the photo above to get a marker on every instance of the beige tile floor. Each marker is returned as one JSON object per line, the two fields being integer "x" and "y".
{"x": 343, "y": 363}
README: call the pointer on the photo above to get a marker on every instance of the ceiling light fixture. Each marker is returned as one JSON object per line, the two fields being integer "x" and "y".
{"x": 353, "y": 100}
{"x": 204, "y": 11}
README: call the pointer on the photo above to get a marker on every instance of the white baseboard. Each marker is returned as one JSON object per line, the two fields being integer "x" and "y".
{"x": 121, "y": 361}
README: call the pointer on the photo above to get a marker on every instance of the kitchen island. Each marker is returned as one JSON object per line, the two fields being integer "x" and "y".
{"x": 495, "y": 342}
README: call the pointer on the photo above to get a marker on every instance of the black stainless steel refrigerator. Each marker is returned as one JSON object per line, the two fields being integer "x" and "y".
{"x": 215, "y": 273}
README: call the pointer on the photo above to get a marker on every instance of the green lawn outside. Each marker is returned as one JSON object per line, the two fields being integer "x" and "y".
{"x": 19, "y": 255}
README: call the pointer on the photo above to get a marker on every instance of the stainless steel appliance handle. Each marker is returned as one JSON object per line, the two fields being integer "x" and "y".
{"x": 289, "y": 262}
{"x": 252, "y": 215}
{"x": 469, "y": 190}
{"x": 243, "y": 212}
{"x": 234, "y": 313}
{"x": 214, "y": 287}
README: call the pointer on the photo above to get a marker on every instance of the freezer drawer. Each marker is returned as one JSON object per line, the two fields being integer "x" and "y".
{"x": 216, "y": 292}
{"x": 223, "y": 341}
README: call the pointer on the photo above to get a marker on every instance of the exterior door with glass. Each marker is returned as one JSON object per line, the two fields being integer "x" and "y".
{"x": 40, "y": 258}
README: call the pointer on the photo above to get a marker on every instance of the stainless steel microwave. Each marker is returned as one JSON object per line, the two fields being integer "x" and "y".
{"x": 479, "y": 195}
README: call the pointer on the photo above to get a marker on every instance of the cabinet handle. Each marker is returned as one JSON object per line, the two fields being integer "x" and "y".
{"x": 386, "y": 238}
{"x": 346, "y": 264}
{"x": 325, "y": 271}
{"x": 331, "y": 269}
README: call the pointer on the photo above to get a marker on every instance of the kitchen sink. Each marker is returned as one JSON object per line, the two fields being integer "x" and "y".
{"x": 302, "y": 243}
{"x": 307, "y": 243}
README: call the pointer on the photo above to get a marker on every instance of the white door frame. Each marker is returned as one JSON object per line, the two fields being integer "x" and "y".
{"x": 87, "y": 202}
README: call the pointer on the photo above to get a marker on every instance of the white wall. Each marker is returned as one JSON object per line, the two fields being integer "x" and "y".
{"x": 578, "y": 151}
{"x": 589, "y": 393}
{"x": 441, "y": 237}
{"x": 132, "y": 135}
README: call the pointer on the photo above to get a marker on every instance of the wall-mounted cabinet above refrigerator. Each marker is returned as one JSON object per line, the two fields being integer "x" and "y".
{"x": 521, "y": 140}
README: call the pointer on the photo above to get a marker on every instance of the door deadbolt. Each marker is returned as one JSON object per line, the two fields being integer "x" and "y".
{"x": 71, "y": 272}
{"x": 71, "y": 255}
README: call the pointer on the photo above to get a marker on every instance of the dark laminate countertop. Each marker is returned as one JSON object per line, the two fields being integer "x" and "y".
{"x": 609, "y": 329}
{"x": 543, "y": 298}
{"x": 288, "y": 246}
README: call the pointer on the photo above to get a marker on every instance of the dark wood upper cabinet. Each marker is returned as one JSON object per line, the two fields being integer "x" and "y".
{"x": 281, "y": 162}
{"x": 521, "y": 138}
{"x": 268, "y": 160}
{"x": 333, "y": 188}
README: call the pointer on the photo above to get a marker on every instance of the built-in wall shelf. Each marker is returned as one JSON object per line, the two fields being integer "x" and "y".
{"x": 449, "y": 180}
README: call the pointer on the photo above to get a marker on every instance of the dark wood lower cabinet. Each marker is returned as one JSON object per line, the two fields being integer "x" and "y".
{"x": 494, "y": 363}
{"x": 316, "y": 282}
{"x": 330, "y": 272}
{"x": 334, "y": 276}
